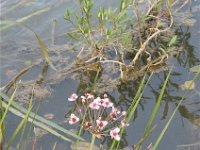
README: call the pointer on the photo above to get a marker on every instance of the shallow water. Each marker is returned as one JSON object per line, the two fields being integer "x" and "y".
{"x": 19, "y": 49}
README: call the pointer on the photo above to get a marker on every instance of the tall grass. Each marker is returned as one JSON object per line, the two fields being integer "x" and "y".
{"x": 173, "y": 114}
{"x": 148, "y": 131}
{"x": 133, "y": 107}
{"x": 21, "y": 125}
{"x": 53, "y": 128}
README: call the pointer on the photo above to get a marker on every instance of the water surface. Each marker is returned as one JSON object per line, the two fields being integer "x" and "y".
{"x": 19, "y": 49}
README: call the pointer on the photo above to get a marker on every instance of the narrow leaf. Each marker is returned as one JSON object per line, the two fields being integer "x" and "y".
{"x": 172, "y": 116}
{"x": 172, "y": 41}
{"x": 155, "y": 110}
{"x": 22, "y": 123}
{"x": 39, "y": 124}
{"x": 7, "y": 108}
{"x": 41, "y": 119}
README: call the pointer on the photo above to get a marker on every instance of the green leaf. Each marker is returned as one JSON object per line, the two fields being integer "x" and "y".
{"x": 172, "y": 116}
{"x": 195, "y": 69}
{"x": 44, "y": 51}
{"x": 157, "y": 106}
{"x": 72, "y": 36}
{"x": 7, "y": 108}
{"x": 42, "y": 46}
{"x": 37, "y": 123}
{"x": 170, "y": 2}
{"x": 43, "y": 121}
{"x": 92, "y": 142}
{"x": 122, "y": 5}
{"x": 131, "y": 110}
{"x": 22, "y": 123}
{"x": 173, "y": 40}
{"x": 68, "y": 15}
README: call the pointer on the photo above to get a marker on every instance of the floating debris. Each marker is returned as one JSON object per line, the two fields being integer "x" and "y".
{"x": 188, "y": 85}
{"x": 194, "y": 146}
{"x": 49, "y": 116}
{"x": 196, "y": 122}
{"x": 195, "y": 69}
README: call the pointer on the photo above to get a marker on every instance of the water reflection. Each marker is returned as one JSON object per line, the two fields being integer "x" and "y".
{"x": 187, "y": 57}
{"x": 122, "y": 93}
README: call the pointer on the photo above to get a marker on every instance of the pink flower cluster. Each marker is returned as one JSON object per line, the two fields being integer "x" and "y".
{"x": 98, "y": 114}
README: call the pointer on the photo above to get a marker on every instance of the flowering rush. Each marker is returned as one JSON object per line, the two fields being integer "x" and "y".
{"x": 97, "y": 115}
{"x": 73, "y": 119}
{"x": 115, "y": 134}
{"x": 73, "y": 97}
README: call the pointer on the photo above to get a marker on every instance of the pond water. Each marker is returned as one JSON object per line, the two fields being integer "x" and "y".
{"x": 19, "y": 49}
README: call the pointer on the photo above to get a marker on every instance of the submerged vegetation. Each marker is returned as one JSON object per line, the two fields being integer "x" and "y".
{"x": 134, "y": 40}
{"x": 115, "y": 48}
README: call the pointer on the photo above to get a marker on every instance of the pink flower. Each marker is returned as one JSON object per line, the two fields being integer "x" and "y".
{"x": 87, "y": 125}
{"x": 89, "y": 96}
{"x": 73, "y": 97}
{"x": 124, "y": 124}
{"x": 115, "y": 112}
{"x": 105, "y": 95}
{"x": 123, "y": 113}
{"x": 106, "y": 103}
{"x": 83, "y": 99}
{"x": 101, "y": 101}
{"x": 94, "y": 104}
{"x": 114, "y": 116}
{"x": 101, "y": 124}
{"x": 98, "y": 99}
{"x": 73, "y": 119}
{"x": 115, "y": 134}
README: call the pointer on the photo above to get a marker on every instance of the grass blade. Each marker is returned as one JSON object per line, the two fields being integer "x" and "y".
{"x": 54, "y": 146}
{"x": 172, "y": 116}
{"x": 40, "y": 43}
{"x": 22, "y": 124}
{"x": 7, "y": 108}
{"x": 43, "y": 120}
{"x": 157, "y": 106}
{"x": 2, "y": 137}
{"x": 145, "y": 137}
{"x": 134, "y": 105}
{"x": 92, "y": 142}
{"x": 39, "y": 124}
{"x": 43, "y": 48}
{"x": 44, "y": 51}
{"x": 135, "y": 102}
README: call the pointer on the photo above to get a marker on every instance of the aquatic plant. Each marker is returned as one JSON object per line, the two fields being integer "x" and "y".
{"x": 139, "y": 38}
{"x": 28, "y": 115}
{"x": 140, "y": 45}
{"x": 97, "y": 115}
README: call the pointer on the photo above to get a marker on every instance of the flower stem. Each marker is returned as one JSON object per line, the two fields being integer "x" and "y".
{"x": 92, "y": 142}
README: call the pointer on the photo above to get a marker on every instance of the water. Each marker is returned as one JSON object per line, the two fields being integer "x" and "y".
{"x": 19, "y": 49}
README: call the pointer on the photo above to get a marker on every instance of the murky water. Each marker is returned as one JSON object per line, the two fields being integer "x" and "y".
{"x": 19, "y": 49}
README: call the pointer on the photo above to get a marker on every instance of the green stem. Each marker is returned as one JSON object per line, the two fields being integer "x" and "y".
{"x": 92, "y": 142}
